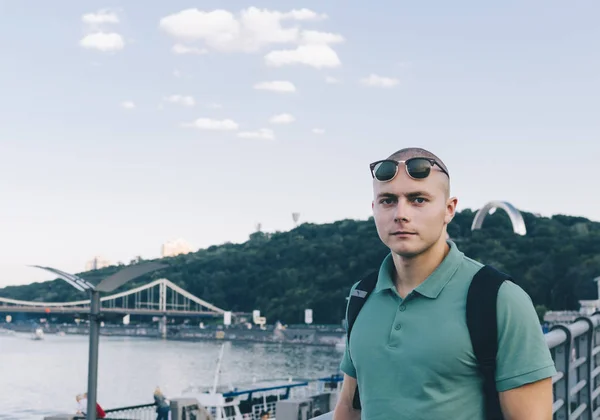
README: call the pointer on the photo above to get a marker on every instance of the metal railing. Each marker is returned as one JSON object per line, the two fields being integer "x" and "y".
{"x": 135, "y": 412}
{"x": 575, "y": 349}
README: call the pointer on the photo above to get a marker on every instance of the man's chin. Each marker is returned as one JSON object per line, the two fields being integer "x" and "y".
{"x": 405, "y": 251}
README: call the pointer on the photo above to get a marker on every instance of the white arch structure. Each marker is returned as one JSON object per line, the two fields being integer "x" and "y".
{"x": 516, "y": 218}
{"x": 163, "y": 284}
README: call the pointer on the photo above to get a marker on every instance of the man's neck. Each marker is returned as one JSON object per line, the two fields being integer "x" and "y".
{"x": 411, "y": 272}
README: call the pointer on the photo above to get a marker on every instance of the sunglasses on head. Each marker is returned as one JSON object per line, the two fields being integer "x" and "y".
{"x": 416, "y": 168}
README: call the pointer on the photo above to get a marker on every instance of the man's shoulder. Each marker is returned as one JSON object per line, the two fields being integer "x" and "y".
{"x": 470, "y": 267}
{"x": 509, "y": 291}
{"x": 513, "y": 295}
{"x": 512, "y": 299}
{"x": 471, "y": 264}
{"x": 466, "y": 271}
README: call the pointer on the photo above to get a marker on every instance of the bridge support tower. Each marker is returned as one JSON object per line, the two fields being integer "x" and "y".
{"x": 162, "y": 306}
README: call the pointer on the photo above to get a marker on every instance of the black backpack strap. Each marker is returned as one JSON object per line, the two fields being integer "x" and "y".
{"x": 483, "y": 329}
{"x": 359, "y": 296}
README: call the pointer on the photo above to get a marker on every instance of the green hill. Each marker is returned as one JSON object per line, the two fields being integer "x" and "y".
{"x": 314, "y": 265}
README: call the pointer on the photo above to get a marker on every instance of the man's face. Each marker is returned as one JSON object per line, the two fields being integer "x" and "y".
{"x": 410, "y": 214}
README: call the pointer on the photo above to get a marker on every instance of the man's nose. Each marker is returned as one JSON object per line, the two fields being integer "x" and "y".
{"x": 402, "y": 211}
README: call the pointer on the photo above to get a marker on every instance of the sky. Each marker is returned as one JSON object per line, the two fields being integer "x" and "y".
{"x": 124, "y": 125}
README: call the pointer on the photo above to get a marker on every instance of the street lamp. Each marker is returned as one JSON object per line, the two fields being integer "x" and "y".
{"x": 106, "y": 285}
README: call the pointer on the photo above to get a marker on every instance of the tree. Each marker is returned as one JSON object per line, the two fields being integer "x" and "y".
{"x": 315, "y": 265}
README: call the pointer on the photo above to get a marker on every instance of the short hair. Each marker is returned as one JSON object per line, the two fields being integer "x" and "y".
{"x": 418, "y": 152}
{"x": 410, "y": 152}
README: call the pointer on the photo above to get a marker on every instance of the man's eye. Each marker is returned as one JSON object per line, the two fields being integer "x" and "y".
{"x": 420, "y": 200}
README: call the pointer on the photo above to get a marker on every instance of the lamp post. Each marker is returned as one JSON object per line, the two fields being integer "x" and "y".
{"x": 106, "y": 285}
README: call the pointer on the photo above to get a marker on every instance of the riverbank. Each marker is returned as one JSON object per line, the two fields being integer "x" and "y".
{"x": 327, "y": 336}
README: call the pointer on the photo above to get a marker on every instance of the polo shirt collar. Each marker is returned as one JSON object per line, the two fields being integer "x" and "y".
{"x": 385, "y": 279}
{"x": 434, "y": 284}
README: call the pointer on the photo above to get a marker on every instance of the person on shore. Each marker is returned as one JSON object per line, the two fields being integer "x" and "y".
{"x": 162, "y": 405}
{"x": 81, "y": 404}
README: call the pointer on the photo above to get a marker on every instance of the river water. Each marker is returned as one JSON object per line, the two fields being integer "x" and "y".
{"x": 40, "y": 378}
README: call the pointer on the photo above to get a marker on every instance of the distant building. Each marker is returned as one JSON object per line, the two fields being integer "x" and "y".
{"x": 97, "y": 263}
{"x": 175, "y": 247}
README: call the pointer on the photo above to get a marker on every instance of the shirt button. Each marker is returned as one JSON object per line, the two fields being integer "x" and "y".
{"x": 402, "y": 308}
{"x": 398, "y": 326}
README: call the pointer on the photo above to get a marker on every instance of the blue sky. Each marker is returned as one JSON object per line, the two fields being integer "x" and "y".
{"x": 505, "y": 93}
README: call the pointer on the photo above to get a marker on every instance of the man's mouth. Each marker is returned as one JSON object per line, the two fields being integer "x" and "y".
{"x": 402, "y": 233}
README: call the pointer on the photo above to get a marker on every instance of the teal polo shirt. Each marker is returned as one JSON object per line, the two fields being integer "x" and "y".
{"x": 413, "y": 357}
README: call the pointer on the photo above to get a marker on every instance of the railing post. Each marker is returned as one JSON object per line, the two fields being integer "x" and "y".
{"x": 584, "y": 349}
{"x": 562, "y": 360}
{"x": 594, "y": 365}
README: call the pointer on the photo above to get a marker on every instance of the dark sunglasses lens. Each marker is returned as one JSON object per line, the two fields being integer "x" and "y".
{"x": 384, "y": 171}
{"x": 418, "y": 168}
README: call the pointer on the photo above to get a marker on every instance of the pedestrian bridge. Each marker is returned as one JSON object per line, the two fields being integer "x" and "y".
{"x": 160, "y": 297}
{"x": 575, "y": 348}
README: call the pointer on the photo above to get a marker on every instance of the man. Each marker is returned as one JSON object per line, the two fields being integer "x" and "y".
{"x": 410, "y": 351}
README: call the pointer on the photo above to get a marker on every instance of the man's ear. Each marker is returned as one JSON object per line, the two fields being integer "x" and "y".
{"x": 451, "y": 204}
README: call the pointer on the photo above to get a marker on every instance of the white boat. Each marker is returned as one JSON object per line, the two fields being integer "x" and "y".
{"x": 38, "y": 334}
{"x": 250, "y": 401}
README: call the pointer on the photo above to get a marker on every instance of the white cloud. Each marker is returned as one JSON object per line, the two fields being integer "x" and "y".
{"x": 304, "y": 14}
{"x": 100, "y": 17}
{"x": 127, "y": 105}
{"x": 318, "y": 131}
{"x": 181, "y": 49}
{"x": 317, "y": 56}
{"x": 263, "y": 134}
{"x": 318, "y": 37}
{"x": 282, "y": 119}
{"x": 105, "y": 42}
{"x": 181, "y": 100}
{"x": 331, "y": 80}
{"x": 214, "y": 125}
{"x": 215, "y": 106}
{"x": 276, "y": 86}
{"x": 250, "y": 31}
{"x": 379, "y": 81}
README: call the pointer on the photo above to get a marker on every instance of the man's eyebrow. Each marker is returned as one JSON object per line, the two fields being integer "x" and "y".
{"x": 387, "y": 195}
{"x": 410, "y": 194}
{"x": 417, "y": 194}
